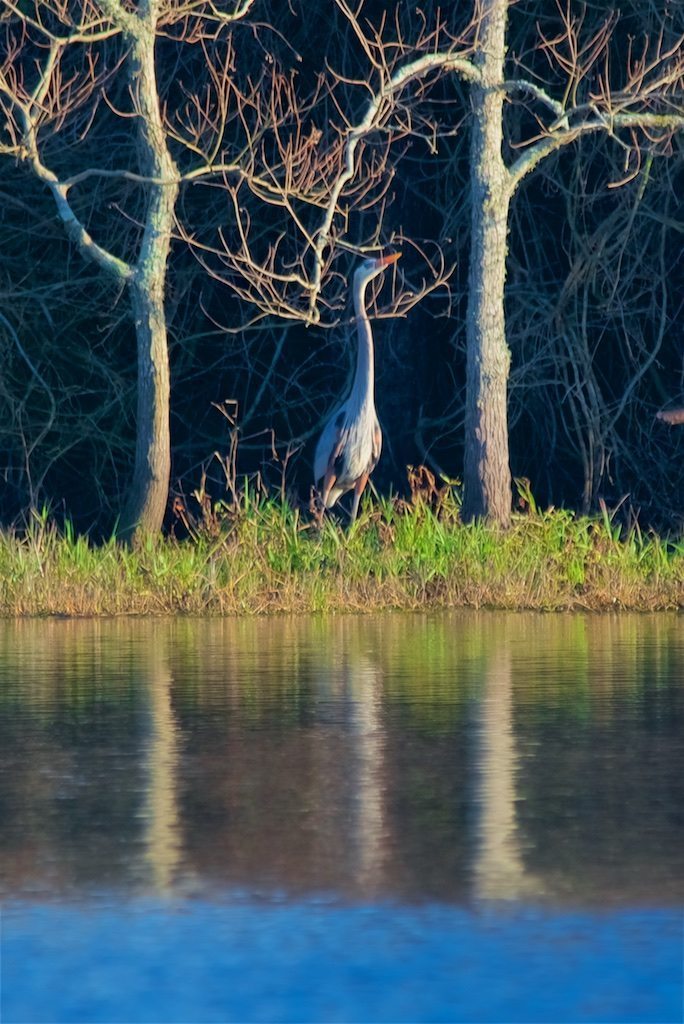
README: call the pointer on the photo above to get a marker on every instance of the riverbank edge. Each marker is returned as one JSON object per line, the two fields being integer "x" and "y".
{"x": 269, "y": 559}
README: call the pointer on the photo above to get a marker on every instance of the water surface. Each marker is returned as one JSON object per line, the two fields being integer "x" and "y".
{"x": 452, "y": 817}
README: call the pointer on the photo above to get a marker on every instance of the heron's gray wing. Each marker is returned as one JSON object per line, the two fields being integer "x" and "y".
{"x": 377, "y": 447}
{"x": 331, "y": 445}
{"x": 339, "y": 451}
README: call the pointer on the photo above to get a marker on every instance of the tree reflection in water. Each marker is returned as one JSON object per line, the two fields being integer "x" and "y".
{"x": 451, "y": 758}
{"x": 161, "y": 818}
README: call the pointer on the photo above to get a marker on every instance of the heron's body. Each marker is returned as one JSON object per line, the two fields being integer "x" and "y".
{"x": 357, "y": 443}
{"x": 349, "y": 446}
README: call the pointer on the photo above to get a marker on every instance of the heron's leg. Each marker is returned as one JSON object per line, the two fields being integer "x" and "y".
{"x": 359, "y": 488}
{"x": 328, "y": 484}
{"x": 316, "y": 507}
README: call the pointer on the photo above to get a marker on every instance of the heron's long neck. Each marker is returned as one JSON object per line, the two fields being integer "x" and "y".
{"x": 364, "y": 378}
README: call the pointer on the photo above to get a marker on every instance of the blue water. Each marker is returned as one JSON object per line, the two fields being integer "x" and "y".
{"x": 247, "y": 961}
{"x": 393, "y": 818}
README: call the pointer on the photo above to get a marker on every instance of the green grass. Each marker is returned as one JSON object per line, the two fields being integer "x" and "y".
{"x": 264, "y": 556}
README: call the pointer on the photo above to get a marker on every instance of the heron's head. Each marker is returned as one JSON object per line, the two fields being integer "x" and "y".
{"x": 370, "y": 268}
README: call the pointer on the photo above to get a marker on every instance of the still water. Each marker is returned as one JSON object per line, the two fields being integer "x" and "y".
{"x": 457, "y": 817}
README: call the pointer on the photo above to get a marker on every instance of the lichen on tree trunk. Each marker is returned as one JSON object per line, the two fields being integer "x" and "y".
{"x": 487, "y": 476}
{"x": 149, "y": 490}
{"x": 144, "y": 510}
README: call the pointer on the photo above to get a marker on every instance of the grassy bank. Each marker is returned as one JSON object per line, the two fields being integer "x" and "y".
{"x": 267, "y": 558}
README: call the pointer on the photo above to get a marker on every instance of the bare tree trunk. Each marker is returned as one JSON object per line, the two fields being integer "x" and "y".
{"x": 487, "y": 475}
{"x": 146, "y": 504}
{"x": 149, "y": 490}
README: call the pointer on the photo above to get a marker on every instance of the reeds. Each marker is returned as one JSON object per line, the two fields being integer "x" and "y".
{"x": 264, "y": 557}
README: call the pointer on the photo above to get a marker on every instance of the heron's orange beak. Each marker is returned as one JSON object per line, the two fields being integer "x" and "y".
{"x": 384, "y": 261}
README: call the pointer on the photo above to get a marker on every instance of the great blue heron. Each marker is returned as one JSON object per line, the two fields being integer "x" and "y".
{"x": 349, "y": 447}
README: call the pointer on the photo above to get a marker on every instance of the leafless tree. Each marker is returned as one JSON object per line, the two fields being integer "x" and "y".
{"x": 60, "y": 58}
{"x": 635, "y": 106}
{"x": 308, "y": 177}
{"x": 183, "y": 119}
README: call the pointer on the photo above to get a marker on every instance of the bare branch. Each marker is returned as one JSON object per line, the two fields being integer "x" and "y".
{"x": 205, "y": 10}
{"x": 649, "y": 100}
{"x": 379, "y": 107}
{"x": 74, "y": 228}
{"x": 539, "y": 94}
{"x": 666, "y": 123}
{"x": 93, "y": 29}
{"x": 27, "y": 149}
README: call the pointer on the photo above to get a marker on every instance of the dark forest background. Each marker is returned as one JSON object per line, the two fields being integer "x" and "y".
{"x": 594, "y": 304}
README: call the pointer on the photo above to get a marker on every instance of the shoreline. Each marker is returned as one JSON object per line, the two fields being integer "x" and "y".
{"x": 270, "y": 561}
